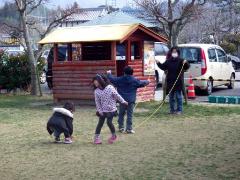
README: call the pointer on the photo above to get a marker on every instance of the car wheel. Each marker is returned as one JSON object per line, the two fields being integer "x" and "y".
{"x": 43, "y": 78}
{"x": 231, "y": 84}
{"x": 209, "y": 88}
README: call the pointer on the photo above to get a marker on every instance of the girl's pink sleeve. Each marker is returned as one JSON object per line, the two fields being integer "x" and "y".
{"x": 116, "y": 95}
{"x": 98, "y": 102}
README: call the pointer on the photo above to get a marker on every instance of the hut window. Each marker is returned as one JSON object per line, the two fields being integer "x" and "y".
{"x": 96, "y": 51}
{"x": 121, "y": 52}
{"x": 135, "y": 50}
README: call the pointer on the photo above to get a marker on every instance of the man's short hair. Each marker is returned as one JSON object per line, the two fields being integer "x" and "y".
{"x": 128, "y": 70}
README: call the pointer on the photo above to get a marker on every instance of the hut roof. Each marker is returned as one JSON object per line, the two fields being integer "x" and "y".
{"x": 97, "y": 33}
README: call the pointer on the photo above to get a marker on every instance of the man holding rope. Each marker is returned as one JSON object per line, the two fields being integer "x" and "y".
{"x": 173, "y": 66}
{"x": 127, "y": 86}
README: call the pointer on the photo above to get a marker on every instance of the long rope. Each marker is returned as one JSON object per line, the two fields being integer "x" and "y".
{"x": 161, "y": 104}
{"x": 156, "y": 110}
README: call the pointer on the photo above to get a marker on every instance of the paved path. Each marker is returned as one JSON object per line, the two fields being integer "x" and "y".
{"x": 218, "y": 91}
{"x": 221, "y": 90}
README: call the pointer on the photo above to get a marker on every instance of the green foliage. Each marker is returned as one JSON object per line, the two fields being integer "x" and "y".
{"x": 41, "y": 65}
{"x": 230, "y": 43}
{"x": 229, "y": 47}
{"x": 14, "y": 72}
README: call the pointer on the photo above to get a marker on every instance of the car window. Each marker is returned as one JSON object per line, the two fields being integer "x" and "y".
{"x": 191, "y": 54}
{"x": 212, "y": 55}
{"x": 222, "y": 57}
{"x": 159, "y": 50}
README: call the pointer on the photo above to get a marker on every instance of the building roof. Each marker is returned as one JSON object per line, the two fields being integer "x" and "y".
{"x": 87, "y": 14}
{"x": 114, "y": 32}
{"x": 118, "y": 17}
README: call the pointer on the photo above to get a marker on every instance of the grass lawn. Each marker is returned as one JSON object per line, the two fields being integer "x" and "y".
{"x": 204, "y": 143}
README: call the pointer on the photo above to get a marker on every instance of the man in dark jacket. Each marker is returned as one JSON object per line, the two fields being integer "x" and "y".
{"x": 62, "y": 122}
{"x": 127, "y": 86}
{"x": 173, "y": 66}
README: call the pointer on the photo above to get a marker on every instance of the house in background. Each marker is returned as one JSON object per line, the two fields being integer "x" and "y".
{"x": 117, "y": 17}
{"x": 87, "y": 14}
{"x": 8, "y": 41}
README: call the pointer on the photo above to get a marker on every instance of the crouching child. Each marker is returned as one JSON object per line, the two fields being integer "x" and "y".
{"x": 62, "y": 122}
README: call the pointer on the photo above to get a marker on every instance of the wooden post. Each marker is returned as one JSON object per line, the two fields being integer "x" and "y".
{"x": 69, "y": 52}
{"x": 55, "y": 53}
{"x": 113, "y": 55}
{"x": 128, "y": 51}
{"x": 113, "y": 51}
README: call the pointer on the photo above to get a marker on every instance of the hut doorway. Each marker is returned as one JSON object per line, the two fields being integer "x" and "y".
{"x": 121, "y": 58}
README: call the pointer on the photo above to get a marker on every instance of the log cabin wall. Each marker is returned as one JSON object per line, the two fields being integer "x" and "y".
{"x": 72, "y": 80}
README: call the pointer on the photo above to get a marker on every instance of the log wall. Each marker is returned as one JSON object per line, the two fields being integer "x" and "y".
{"x": 146, "y": 93}
{"x": 73, "y": 80}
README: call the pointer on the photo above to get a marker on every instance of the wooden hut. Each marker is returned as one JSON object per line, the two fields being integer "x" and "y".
{"x": 96, "y": 49}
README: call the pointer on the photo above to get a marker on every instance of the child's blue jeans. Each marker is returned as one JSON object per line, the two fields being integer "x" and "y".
{"x": 178, "y": 95}
{"x": 122, "y": 111}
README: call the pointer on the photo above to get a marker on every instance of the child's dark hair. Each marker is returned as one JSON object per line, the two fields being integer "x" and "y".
{"x": 69, "y": 106}
{"x": 102, "y": 80}
{"x": 128, "y": 70}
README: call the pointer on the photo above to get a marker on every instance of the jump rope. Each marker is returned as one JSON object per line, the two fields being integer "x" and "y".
{"x": 144, "y": 121}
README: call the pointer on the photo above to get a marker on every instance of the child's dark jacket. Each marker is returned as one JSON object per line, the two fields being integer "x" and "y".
{"x": 127, "y": 86}
{"x": 61, "y": 119}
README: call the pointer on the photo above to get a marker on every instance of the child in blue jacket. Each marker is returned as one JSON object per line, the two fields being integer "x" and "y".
{"x": 127, "y": 86}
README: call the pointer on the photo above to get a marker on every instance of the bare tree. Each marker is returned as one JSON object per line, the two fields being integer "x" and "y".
{"x": 171, "y": 15}
{"x": 28, "y": 24}
{"x": 217, "y": 19}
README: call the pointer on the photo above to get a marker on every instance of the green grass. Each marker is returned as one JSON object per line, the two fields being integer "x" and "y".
{"x": 204, "y": 143}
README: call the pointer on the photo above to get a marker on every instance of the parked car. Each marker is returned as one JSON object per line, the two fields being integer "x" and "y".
{"x": 45, "y": 54}
{"x": 43, "y": 77}
{"x": 208, "y": 62}
{"x": 161, "y": 51}
{"x": 235, "y": 61}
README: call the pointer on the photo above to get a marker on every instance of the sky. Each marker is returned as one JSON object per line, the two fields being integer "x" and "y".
{"x": 82, "y": 3}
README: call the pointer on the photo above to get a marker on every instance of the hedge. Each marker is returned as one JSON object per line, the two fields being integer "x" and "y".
{"x": 14, "y": 72}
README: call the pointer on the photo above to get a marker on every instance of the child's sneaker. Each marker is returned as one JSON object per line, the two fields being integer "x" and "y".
{"x": 121, "y": 130}
{"x": 112, "y": 139}
{"x": 68, "y": 141}
{"x": 97, "y": 140}
{"x": 57, "y": 140}
{"x": 178, "y": 113}
{"x": 130, "y": 131}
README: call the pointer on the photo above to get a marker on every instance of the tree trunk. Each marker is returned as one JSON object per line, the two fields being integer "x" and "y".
{"x": 174, "y": 39}
{"x": 30, "y": 54}
{"x": 170, "y": 35}
{"x": 173, "y": 36}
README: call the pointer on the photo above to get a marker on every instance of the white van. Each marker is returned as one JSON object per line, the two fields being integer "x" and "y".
{"x": 160, "y": 50}
{"x": 210, "y": 64}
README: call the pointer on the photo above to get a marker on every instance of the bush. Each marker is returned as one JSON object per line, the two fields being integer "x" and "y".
{"x": 229, "y": 47}
{"x": 14, "y": 72}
